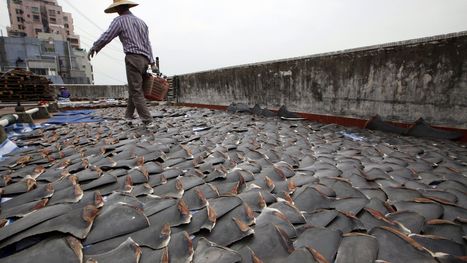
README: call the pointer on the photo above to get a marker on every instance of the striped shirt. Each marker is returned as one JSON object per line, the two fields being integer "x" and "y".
{"x": 132, "y": 32}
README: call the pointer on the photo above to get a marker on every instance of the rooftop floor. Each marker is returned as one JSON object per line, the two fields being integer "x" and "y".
{"x": 209, "y": 186}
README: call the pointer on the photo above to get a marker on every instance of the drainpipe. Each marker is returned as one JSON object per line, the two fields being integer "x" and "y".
{"x": 69, "y": 55}
{"x": 8, "y": 119}
{"x": 32, "y": 111}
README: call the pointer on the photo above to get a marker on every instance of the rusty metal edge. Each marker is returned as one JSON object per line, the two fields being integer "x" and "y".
{"x": 331, "y": 119}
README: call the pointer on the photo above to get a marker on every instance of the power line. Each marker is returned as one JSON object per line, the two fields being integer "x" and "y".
{"x": 109, "y": 77}
{"x": 83, "y": 15}
{"x": 91, "y": 35}
{"x": 103, "y": 53}
{"x": 105, "y": 74}
{"x": 92, "y": 38}
{"x": 114, "y": 48}
{"x": 110, "y": 57}
{"x": 108, "y": 48}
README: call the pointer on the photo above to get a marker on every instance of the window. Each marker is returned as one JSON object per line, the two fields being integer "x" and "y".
{"x": 65, "y": 18}
{"x": 35, "y": 9}
{"x": 20, "y": 19}
{"x": 19, "y": 11}
{"x": 53, "y": 20}
{"x": 58, "y": 12}
{"x": 48, "y": 46}
{"x": 18, "y": 34}
{"x": 39, "y": 71}
{"x": 51, "y": 12}
{"x": 36, "y": 18}
{"x": 68, "y": 32}
{"x": 66, "y": 26}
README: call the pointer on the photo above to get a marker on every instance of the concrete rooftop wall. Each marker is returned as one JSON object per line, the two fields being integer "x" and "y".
{"x": 399, "y": 81}
{"x": 95, "y": 91}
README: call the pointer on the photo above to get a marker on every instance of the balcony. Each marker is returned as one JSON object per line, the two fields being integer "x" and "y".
{"x": 35, "y": 10}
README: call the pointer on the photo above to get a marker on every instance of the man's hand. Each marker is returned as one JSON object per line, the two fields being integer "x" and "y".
{"x": 91, "y": 53}
{"x": 154, "y": 68}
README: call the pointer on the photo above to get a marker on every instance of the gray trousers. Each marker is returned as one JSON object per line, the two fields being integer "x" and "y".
{"x": 136, "y": 66}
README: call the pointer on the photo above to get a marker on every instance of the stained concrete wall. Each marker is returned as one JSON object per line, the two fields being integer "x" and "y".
{"x": 399, "y": 81}
{"x": 95, "y": 91}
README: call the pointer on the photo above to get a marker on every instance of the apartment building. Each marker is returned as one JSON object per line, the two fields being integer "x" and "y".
{"x": 49, "y": 55}
{"x": 41, "y": 39}
{"x": 29, "y": 18}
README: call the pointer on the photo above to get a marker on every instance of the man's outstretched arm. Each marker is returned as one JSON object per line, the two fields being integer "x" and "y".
{"x": 106, "y": 37}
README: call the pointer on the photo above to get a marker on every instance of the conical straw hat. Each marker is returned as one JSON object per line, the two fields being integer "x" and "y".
{"x": 112, "y": 7}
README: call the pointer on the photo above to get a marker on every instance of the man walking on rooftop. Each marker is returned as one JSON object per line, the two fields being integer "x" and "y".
{"x": 134, "y": 35}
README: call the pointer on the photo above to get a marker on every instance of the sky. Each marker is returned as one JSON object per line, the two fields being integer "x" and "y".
{"x": 191, "y": 36}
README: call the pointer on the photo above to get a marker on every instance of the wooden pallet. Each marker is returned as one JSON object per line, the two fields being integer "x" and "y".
{"x": 22, "y": 85}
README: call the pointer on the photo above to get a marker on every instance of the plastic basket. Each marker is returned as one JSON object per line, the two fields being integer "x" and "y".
{"x": 155, "y": 87}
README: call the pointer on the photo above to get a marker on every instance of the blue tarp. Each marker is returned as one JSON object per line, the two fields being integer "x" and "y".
{"x": 78, "y": 116}
{"x": 7, "y": 147}
{"x": 20, "y": 128}
{"x": 74, "y": 112}
{"x": 14, "y": 130}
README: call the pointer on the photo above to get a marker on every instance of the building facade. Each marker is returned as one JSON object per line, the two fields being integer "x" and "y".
{"x": 50, "y": 57}
{"x": 29, "y": 18}
{"x": 41, "y": 39}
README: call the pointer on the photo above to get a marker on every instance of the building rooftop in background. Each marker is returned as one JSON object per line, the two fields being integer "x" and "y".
{"x": 32, "y": 17}
{"x": 41, "y": 39}
{"x": 48, "y": 56}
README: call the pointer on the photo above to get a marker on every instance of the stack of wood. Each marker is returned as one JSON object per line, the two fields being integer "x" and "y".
{"x": 23, "y": 85}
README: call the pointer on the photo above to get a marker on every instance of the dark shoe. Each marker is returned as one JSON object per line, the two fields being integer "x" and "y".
{"x": 149, "y": 124}
{"x": 129, "y": 121}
